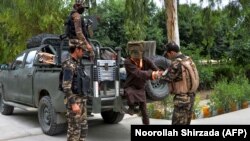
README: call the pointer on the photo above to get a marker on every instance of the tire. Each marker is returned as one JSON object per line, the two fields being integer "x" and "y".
{"x": 112, "y": 117}
{"x": 5, "y": 109}
{"x": 36, "y": 41}
{"x": 157, "y": 90}
{"x": 47, "y": 118}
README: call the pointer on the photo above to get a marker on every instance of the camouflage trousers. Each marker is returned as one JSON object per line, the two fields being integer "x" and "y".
{"x": 183, "y": 106}
{"x": 77, "y": 123}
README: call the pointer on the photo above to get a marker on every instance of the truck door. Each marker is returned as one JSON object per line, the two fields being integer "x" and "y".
{"x": 26, "y": 79}
{"x": 11, "y": 85}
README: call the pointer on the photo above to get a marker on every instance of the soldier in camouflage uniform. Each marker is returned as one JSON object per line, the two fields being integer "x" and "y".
{"x": 183, "y": 102}
{"x": 75, "y": 103}
{"x": 77, "y": 30}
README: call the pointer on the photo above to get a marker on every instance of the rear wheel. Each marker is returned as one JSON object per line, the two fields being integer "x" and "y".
{"x": 156, "y": 89}
{"x": 47, "y": 118}
{"x": 5, "y": 109}
{"x": 111, "y": 116}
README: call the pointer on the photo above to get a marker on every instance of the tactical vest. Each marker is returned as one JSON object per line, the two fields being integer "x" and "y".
{"x": 70, "y": 27}
{"x": 80, "y": 82}
{"x": 190, "y": 77}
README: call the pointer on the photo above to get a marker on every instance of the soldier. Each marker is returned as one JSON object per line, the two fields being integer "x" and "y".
{"x": 183, "y": 100}
{"x": 76, "y": 29}
{"x": 75, "y": 103}
{"x": 139, "y": 69}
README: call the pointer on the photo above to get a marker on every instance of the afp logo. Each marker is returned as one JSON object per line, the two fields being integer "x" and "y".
{"x": 234, "y": 133}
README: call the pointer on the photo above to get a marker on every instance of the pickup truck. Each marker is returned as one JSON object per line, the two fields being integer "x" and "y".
{"x": 30, "y": 84}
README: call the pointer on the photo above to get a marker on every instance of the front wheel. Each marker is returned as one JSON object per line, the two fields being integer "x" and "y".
{"x": 111, "y": 116}
{"x": 47, "y": 117}
{"x": 5, "y": 109}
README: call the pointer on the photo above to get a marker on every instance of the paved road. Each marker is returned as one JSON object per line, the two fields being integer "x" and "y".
{"x": 24, "y": 126}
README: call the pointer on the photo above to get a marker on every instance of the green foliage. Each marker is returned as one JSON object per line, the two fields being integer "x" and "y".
{"x": 136, "y": 17}
{"x": 22, "y": 19}
{"x": 215, "y": 33}
{"x": 247, "y": 71}
{"x": 225, "y": 72}
{"x": 206, "y": 74}
{"x": 226, "y": 93}
{"x": 196, "y": 106}
{"x": 168, "y": 106}
{"x": 240, "y": 53}
{"x": 110, "y": 30}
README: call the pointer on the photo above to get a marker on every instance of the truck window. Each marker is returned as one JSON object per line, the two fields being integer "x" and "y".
{"x": 30, "y": 59}
{"x": 18, "y": 62}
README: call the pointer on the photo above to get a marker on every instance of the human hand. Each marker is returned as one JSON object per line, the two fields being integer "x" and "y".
{"x": 75, "y": 108}
{"x": 156, "y": 74}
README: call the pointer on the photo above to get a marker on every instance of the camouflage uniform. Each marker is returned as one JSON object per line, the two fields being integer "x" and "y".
{"x": 77, "y": 123}
{"x": 78, "y": 38}
{"x": 78, "y": 32}
{"x": 183, "y": 103}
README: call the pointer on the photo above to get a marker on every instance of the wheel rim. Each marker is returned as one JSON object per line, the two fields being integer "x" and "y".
{"x": 156, "y": 84}
{"x": 46, "y": 115}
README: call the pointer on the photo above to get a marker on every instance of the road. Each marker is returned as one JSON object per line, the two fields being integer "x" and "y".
{"x": 24, "y": 126}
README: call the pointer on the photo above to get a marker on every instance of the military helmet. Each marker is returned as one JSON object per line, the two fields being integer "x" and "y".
{"x": 135, "y": 49}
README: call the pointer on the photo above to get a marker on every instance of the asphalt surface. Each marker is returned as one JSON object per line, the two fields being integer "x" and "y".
{"x": 24, "y": 126}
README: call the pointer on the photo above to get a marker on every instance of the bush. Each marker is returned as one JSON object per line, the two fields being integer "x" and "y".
{"x": 227, "y": 93}
{"x": 225, "y": 72}
{"x": 206, "y": 75}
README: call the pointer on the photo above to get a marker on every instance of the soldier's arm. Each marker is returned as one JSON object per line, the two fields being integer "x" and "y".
{"x": 174, "y": 73}
{"x": 78, "y": 29}
{"x": 67, "y": 84}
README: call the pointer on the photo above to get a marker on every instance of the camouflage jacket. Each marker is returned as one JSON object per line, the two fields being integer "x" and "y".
{"x": 175, "y": 70}
{"x": 79, "y": 27}
{"x": 69, "y": 68}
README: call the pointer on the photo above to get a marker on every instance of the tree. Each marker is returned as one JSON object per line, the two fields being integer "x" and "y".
{"x": 25, "y": 18}
{"x": 136, "y": 18}
{"x": 172, "y": 21}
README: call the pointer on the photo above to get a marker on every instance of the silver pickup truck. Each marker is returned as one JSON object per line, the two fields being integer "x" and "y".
{"x": 29, "y": 84}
